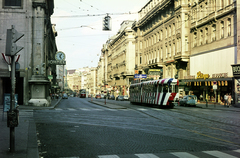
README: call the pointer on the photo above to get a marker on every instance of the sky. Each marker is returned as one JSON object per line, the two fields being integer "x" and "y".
{"x": 79, "y": 27}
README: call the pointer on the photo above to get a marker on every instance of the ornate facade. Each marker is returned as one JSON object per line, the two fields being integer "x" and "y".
{"x": 162, "y": 39}
{"x": 120, "y": 60}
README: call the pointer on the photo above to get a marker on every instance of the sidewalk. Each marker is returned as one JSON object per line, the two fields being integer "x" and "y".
{"x": 25, "y": 134}
{"x": 217, "y": 106}
{"x": 199, "y": 105}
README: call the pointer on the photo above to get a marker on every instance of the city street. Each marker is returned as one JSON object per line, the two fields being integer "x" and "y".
{"x": 79, "y": 128}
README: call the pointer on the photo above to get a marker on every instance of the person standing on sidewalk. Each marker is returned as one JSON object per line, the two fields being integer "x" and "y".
{"x": 229, "y": 100}
{"x": 226, "y": 100}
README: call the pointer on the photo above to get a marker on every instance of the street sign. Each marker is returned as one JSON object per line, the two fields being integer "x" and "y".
{"x": 140, "y": 76}
{"x": 56, "y": 62}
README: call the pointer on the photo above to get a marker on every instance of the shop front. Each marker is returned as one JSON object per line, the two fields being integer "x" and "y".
{"x": 205, "y": 87}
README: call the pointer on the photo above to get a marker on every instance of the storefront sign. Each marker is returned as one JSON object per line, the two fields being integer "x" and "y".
{"x": 56, "y": 62}
{"x": 189, "y": 77}
{"x": 220, "y": 75}
{"x": 201, "y": 75}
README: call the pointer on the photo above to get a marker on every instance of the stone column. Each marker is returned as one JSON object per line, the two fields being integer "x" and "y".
{"x": 39, "y": 84}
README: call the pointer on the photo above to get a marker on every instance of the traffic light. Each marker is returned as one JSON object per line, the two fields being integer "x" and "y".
{"x": 12, "y": 37}
{"x": 107, "y": 23}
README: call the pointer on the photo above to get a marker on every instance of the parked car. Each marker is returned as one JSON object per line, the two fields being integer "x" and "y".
{"x": 120, "y": 98}
{"x": 111, "y": 97}
{"x": 125, "y": 97}
{"x": 65, "y": 96}
{"x": 188, "y": 100}
{"x": 98, "y": 96}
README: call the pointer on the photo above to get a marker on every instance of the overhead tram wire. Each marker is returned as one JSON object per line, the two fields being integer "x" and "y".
{"x": 92, "y": 15}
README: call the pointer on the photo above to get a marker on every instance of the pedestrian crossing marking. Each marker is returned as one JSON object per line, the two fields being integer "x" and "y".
{"x": 109, "y": 156}
{"x": 219, "y": 154}
{"x": 184, "y": 154}
{"x": 146, "y": 156}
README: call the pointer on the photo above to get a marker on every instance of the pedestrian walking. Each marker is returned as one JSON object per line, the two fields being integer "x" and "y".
{"x": 201, "y": 97}
{"x": 226, "y": 100}
{"x": 229, "y": 100}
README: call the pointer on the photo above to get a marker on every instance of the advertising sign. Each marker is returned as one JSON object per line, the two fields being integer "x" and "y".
{"x": 140, "y": 76}
{"x": 7, "y": 101}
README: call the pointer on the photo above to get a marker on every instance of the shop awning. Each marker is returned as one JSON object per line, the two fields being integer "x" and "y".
{"x": 203, "y": 80}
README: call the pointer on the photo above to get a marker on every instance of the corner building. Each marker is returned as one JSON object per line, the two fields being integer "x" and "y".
{"x": 213, "y": 48}
{"x": 192, "y": 40}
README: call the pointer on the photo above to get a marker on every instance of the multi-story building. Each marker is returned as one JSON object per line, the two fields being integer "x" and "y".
{"x": 162, "y": 37}
{"x": 74, "y": 81}
{"x": 213, "y": 47}
{"x": 119, "y": 55}
{"x": 100, "y": 74}
{"x": 91, "y": 81}
{"x": 192, "y": 40}
{"x": 32, "y": 18}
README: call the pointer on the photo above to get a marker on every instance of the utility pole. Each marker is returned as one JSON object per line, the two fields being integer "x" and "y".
{"x": 11, "y": 50}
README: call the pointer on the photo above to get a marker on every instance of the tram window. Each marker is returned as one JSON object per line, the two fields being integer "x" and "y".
{"x": 165, "y": 88}
{"x": 160, "y": 88}
{"x": 170, "y": 88}
{"x": 154, "y": 88}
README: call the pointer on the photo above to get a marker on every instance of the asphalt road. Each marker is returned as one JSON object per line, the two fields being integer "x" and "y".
{"x": 78, "y": 128}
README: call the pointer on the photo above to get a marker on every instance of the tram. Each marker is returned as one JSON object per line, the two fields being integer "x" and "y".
{"x": 82, "y": 93}
{"x": 162, "y": 92}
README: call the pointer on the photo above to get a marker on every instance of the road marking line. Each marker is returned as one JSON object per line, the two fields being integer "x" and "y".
{"x": 98, "y": 109}
{"x": 237, "y": 150}
{"x": 142, "y": 109}
{"x": 219, "y": 154}
{"x": 146, "y": 156}
{"x": 58, "y": 109}
{"x": 84, "y": 109}
{"x": 184, "y": 154}
{"x": 109, "y": 156}
{"x": 71, "y": 109}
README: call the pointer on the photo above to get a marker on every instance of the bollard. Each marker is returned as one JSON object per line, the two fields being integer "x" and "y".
{"x": 206, "y": 103}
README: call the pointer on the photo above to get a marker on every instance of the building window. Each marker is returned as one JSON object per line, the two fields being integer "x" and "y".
{"x": 140, "y": 60}
{"x": 170, "y": 51}
{"x": 166, "y": 30}
{"x": 229, "y": 27}
{"x": 166, "y": 51}
{"x": 161, "y": 55}
{"x": 201, "y": 37}
{"x": 206, "y": 35}
{"x": 174, "y": 53}
{"x": 195, "y": 39}
{"x": 222, "y": 29}
{"x": 170, "y": 30}
{"x": 186, "y": 43}
{"x": 213, "y": 32}
{"x": 12, "y": 3}
{"x": 222, "y": 3}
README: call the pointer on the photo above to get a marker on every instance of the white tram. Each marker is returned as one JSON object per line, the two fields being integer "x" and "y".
{"x": 163, "y": 92}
